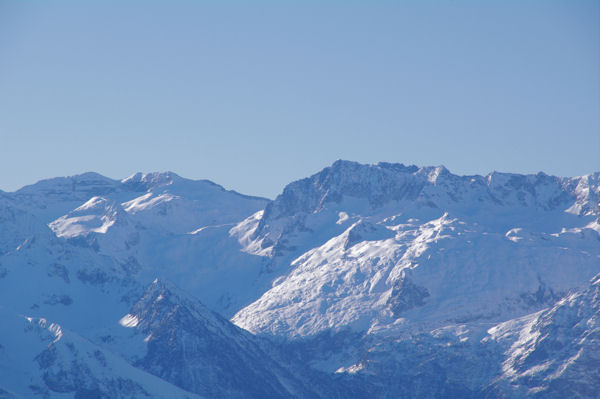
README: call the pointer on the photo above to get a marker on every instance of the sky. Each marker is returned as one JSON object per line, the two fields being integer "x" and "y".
{"x": 255, "y": 94}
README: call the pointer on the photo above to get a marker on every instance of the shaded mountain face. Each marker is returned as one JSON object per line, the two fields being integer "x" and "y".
{"x": 553, "y": 353}
{"x": 360, "y": 281}
{"x": 198, "y": 350}
{"x": 39, "y": 358}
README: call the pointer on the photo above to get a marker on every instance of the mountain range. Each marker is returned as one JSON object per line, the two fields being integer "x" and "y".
{"x": 361, "y": 281}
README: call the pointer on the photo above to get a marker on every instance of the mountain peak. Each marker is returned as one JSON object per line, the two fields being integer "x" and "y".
{"x": 345, "y": 165}
{"x": 96, "y": 215}
{"x": 85, "y": 182}
{"x": 145, "y": 181}
{"x": 425, "y": 187}
{"x": 377, "y": 183}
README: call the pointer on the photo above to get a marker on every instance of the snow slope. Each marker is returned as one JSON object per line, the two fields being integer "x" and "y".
{"x": 166, "y": 223}
{"x": 39, "y": 358}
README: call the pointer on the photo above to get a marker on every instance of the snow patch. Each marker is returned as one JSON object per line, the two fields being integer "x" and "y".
{"x": 342, "y": 217}
{"x": 129, "y": 321}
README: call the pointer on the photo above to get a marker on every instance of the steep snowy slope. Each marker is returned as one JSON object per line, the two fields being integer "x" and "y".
{"x": 205, "y": 261}
{"x": 16, "y": 224}
{"x": 554, "y": 353}
{"x": 67, "y": 282}
{"x": 384, "y": 248}
{"x": 38, "y": 358}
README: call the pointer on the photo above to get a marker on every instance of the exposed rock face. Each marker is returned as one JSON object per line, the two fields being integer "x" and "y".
{"x": 405, "y": 296}
{"x": 201, "y": 352}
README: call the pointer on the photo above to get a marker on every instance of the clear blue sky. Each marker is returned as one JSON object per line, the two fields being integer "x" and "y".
{"x": 255, "y": 94}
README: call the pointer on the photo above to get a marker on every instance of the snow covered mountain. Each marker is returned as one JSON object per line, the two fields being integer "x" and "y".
{"x": 360, "y": 281}
{"x": 387, "y": 247}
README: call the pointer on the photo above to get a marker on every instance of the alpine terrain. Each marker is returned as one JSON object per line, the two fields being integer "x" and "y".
{"x": 361, "y": 281}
